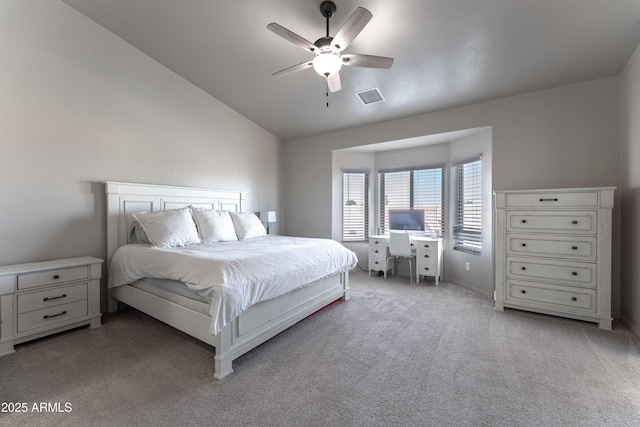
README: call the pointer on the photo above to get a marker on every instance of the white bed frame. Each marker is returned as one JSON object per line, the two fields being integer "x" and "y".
{"x": 254, "y": 326}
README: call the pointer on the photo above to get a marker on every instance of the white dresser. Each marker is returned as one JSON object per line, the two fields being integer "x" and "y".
{"x": 429, "y": 252}
{"x": 553, "y": 252}
{"x": 42, "y": 298}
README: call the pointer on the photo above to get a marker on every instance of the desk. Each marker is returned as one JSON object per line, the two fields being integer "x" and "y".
{"x": 428, "y": 255}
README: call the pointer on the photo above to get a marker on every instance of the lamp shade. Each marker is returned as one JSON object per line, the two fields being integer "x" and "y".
{"x": 268, "y": 216}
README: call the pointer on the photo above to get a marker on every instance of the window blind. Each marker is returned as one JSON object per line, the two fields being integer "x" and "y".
{"x": 415, "y": 188}
{"x": 467, "y": 189}
{"x": 355, "y": 206}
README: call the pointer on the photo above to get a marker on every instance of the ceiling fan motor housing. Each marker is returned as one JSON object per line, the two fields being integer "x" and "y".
{"x": 327, "y": 8}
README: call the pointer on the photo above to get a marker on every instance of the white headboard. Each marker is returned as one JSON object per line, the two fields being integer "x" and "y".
{"x": 125, "y": 198}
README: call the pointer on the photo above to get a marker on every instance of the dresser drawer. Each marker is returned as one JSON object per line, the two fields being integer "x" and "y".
{"x": 32, "y": 280}
{"x": 51, "y": 297}
{"x": 583, "y": 248}
{"x": 552, "y": 199}
{"x": 552, "y": 297}
{"x": 573, "y": 222}
{"x": 572, "y": 273}
{"x": 51, "y": 316}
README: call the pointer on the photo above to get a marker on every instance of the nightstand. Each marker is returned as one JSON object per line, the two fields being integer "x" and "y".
{"x": 43, "y": 298}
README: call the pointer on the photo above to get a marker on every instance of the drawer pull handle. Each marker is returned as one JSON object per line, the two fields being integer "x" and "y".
{"x": 427, "y": 246}
{"x": 426, "y": 256}
{"x": 427, "y": 268}
{"x": 52, "y": 298}
{"x": 575, "y": 273}
{"x": 575, "y": 248}
{"x": 574, "y": 299}
{"x": 524, "y": 244}
{"x": 524, "y": 221}
{"x": 56, "y": 276}
{"x": 574, "y": 222}
{"x": 376, "y": 262}
{"x": 524, "y": 268}
{"x": 376, "y": 251}
{"x": 523, "y": 291}
{"x": 549, "y": 200}
{"x": 49, "y": 316}
{"x": 376, "y": 242}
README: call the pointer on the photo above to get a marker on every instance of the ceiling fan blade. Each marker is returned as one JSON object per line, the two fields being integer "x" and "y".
{"x": 294, "y": 69}
{"x": 367, "y": 61}
{"x": 292, "y": 37}
{"x": 351, "y": 28}
{"x": 333, "y": 82}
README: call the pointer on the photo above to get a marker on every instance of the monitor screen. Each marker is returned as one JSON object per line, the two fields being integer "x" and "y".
{"x": 406, "y": 219}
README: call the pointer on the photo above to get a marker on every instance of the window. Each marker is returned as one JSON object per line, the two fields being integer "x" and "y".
{"x": 467, "y": 199}
{"x": 355, "y": 206}
{"x": 414, "y": 188}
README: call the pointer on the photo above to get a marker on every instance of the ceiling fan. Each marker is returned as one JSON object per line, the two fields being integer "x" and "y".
{"x": 328, "y": 50}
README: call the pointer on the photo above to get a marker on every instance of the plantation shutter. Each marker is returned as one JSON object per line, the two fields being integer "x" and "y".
{"x": 467, "y": 188}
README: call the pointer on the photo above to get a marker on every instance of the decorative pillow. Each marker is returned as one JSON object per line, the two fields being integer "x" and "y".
{"x": 168, "y": 228}
{"x": 247, "y": 225}
{"x": 214, "y": 226}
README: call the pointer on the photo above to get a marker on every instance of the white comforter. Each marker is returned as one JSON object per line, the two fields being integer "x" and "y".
{"x": 235, "y": 275}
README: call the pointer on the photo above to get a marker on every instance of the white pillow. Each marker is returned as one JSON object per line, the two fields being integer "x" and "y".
{"x": 168, "y": 228}
{"x": 214, "y": 226}
{"x": 247, "y": 225}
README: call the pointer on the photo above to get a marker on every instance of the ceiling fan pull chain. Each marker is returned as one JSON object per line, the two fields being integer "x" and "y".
{"x": 327, "y": 79}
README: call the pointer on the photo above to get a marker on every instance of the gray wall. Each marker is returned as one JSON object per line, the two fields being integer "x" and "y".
{"x": 630, "y": 190}
{"x": 79, "y": 106}
{"x": 561, "y": 137}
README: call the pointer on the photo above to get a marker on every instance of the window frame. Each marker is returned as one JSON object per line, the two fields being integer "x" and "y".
{"x": 348, "y": 222}
{"x": 435, "y": 215}
{"x": 467, "y": 219}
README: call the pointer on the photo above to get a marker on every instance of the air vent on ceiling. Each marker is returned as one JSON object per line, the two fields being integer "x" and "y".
{"x": 370, "y": 96}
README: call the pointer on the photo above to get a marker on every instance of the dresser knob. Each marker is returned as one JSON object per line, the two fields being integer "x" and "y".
{"x": 575, "y": 248}
{"x": 524, "y": 221}
{"x": 376, "y": 251}
{"x": 524, "y": 268}
{"x": 427, "y": 246}
{"x": 427, "y": 268}
{"x": 574, "y": 299}
{"x": 426, "y": 256}
{"x": 376, "y": 262}
{"x": 575, "y": 273}
{"x": 523, "y": 291}
{"x": 574, "y": 222}
{"x": 524, "y": 244}
{"x": 56, "y": 276}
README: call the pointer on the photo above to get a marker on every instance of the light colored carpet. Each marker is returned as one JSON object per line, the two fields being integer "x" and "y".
{"x": 395, "y": 354}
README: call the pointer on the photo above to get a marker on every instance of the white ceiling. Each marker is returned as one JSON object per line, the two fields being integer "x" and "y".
{"x": 447, "y": 53}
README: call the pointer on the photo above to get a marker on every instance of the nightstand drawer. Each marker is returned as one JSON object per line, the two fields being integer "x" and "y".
{"x": 49, "y": 277}
{"x": 554, "y": 200}
{"x": 52, "y": 315}
{"x": 51, "y": 297}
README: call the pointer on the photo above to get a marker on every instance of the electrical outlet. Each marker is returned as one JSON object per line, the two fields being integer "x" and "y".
{"x": 467, "y": 266}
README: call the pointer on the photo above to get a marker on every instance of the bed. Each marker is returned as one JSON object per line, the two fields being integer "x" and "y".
{"x": 219, "y": 307}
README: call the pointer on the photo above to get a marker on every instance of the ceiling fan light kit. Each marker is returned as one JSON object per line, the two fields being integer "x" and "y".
{"x": 328, "y": 58}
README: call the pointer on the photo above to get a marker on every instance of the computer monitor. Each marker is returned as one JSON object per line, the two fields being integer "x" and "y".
{"x": 406, "y": 219}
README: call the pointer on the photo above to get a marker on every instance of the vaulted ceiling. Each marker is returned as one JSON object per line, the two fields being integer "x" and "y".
{"x": 447, "y": 53}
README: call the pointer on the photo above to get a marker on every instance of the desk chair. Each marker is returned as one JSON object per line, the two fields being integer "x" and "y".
{"x": 400, "y": 248}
